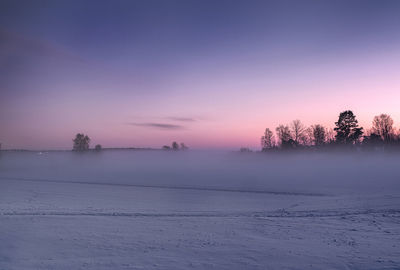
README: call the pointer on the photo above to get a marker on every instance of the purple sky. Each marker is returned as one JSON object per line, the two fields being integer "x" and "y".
{"x": 212, "y": 74}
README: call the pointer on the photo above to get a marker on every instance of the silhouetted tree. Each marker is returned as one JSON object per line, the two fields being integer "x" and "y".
{"x": 175, "y": 146}
{"x": 347, "y": 130}
{"x": 184, "y": 147}
{"x": 382, "y": 125}
{"x": 245, "y": 150}
{"x": 319, "y": 135}
{"x": 81, "y": 142}
{"x": 285, "y": 137}
{"x": 268, "y": 140}
{"x": 283, "y": 133}
{"x": 297, "y": 131}
{"x": 166, "y": 147}
{"x": 330, "y": 136}
{"x": 307, "y": 137}
{"x": 372, "y": 141}
{"x": 290, "y": 144}
{"x": 98, "y": 147}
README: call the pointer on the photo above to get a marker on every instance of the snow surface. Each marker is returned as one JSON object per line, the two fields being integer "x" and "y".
{"x": 199, "y": 210}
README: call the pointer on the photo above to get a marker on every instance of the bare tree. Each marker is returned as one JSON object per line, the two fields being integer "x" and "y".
{"x": 81, "y": 142}
{"x": 297, "y": 130}
{"x": 98, "y": 147}
{"x": 319, "y": 135}
{"x": 307, "y": 137}
{"x": 382, "y": 125}
{"x": 245, "y": 150}
{"x": 268, "y": 140}
{"x": 330, "y": 135}
{"x": 184, "y": 147}
{"x": 175, "y": 146}
{"x": 284, "y": 135}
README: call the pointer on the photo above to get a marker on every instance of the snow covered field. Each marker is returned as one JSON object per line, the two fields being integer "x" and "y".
{"x": 198, "y": 210}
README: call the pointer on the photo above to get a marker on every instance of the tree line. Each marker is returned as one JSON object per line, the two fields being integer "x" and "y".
{"x": 176, "y": 147}
{"x": 346, "y": 134}
{"x": 81, "y": 143}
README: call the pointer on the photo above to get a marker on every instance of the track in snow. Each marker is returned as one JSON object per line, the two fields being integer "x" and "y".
{"x": 164, "y": 186}
{"x": 272, "y": 214}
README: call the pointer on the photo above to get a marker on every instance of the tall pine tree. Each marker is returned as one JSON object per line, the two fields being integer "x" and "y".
{"x": 347, "y": 130}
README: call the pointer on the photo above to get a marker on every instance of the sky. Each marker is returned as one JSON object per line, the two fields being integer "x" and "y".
{"x": 211, "y": 74}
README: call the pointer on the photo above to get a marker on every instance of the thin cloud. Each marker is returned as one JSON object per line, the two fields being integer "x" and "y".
{"x": 182, "y": 119}
{"x": 161, "y": 126}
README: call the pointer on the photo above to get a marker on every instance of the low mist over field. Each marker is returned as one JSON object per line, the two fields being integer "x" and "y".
{"x": 328, "y": 173}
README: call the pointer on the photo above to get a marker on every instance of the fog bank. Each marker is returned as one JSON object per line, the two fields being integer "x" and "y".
{"x": 317, "y": 173}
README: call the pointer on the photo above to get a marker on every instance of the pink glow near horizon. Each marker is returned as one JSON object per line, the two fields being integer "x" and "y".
{"x": 208, "y": 83}
{"x": 224, "y": 122}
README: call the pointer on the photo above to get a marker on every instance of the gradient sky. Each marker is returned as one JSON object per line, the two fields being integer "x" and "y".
{"x": 212, "y": 74}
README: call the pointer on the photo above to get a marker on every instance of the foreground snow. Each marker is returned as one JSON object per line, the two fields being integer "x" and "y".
{"x": 83, "y": 222}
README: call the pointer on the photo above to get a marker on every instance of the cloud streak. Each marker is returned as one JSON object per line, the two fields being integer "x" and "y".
{"x": 182, "y": 119}
{"x": 161, "y": 126}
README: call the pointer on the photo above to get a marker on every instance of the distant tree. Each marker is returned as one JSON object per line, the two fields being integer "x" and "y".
{"x": 166, "y": 147}
{"x": 297, "y": 131}
{"x": 285, "y": 137}
{"x": 382, "y": 125}
{"x": 268, "y": 140}
{"x": 319, "y": 135}
{"x": 81, "y": 142}
{"x": 372, "y": 140}
{"x": 98, "y": 147}
{"x": 283, "y": 133}
{"x": 347, "y": 130}
{"x": 289, "y": 144}
{"x": 175, "y": 146}
{"x": 184, "y": 147}
{"x": 245, "y": 150}
{"x": 330, "y": 136}
{"x": 307, "y": 138}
